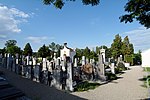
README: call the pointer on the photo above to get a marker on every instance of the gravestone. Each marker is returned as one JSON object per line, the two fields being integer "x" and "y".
{"x": 8, "y": 61}
{"x": 13, "y": 64}
{"x": 102, "y": 52}
{"x": 75, "y": 62}
{"x": 69, "y": 81}
{"x": 27, "y": 60}
{"x": 44, "y": 67}
{"x": 101, "y": 68}
{"x": 87, "y": 61}
{"x": 1, "y": 60}
{"x": 112, "y": 68}
{"x": 83, "y": 60}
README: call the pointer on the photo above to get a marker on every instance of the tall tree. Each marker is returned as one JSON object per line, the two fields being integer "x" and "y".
{"x": 12, "y": 48}
{"x": 116, "y": 46}
{"x": 44, "y": 51}
{"x": 86, "y": 52}
{"x": 139, "y": 10}
{"x": 27, "y": 50}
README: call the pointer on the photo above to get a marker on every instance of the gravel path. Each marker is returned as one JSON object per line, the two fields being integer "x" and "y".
{"x": 128, "y": 87}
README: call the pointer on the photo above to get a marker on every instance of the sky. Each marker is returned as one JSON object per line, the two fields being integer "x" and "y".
{"x": 78, "y": 25}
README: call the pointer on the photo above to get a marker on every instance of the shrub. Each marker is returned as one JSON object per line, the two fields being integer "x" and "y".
{"x": 84, "y": 86}
{"x": 111, "y": 76}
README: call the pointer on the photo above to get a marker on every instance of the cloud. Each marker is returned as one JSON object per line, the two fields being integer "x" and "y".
{"x": 36, "y": 39}
{"x": 140, "y": 38}
{"x": 10, "y": 18}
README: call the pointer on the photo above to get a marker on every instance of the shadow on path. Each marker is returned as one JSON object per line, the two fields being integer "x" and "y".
{"x": 37, "y": 91}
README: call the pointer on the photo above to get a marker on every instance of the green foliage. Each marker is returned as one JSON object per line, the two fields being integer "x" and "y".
{"x": 10, "y": 43}
{"x": 121, "y": 67}
{"x": 60, "y": 3}
{"x": 116, "y": 46}
{"x": 11, "y": 47}
{"x": 55, "y": 48}
{"x": 111, "y": 76}
{"x": 129, "y": 59}
{"x": 139, "y": 10}
{"x": 147, "y": 69}
{"x": 44, "y": 51}
{"x": 14, "y": 50}
{"x": 137, "y": 58}
{"x": 27, "y": 50}
{"x": 85, "y": 86}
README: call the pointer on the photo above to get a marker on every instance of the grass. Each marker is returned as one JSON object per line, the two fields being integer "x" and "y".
{"x": 85, "y": 86}
{"x": 144, "y": 80}
{"x": 147, "y": 69}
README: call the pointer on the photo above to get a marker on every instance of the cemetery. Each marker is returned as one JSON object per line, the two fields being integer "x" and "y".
{"x": 63, "y": 72}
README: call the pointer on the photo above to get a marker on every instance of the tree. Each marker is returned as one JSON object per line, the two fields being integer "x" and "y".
{"x": 60, "y": 3}
{"x": 55, "y": 48}
{"x": 86, "y": 52}
{"x": 10, "y": 43}
{"x": 44, "y": 51}
{"x": 127, "y": 50}
{"x": 12, "y": 48}
{"x": 116, "y": 46}
{"x": 139, "y": 10}
{"x": 27, "y": 50}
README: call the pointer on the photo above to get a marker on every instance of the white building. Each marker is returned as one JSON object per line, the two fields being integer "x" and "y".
{"x": 67, "y": 52}
{"x": 145, "y": 58}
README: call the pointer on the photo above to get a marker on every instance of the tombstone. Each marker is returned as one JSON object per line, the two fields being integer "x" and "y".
{"x": 37, "y": 72}
{"x": 87, "y": 61}
{"x": 34, "y": 61}
{"x": 13, "y": 64}
{"x": 1, "y": 60}
{"x": 8, "y": 61}
{"x": 75, "y": 62}
{"x": 101, "y": 68}
{"x": 56, "y": 81}
{"x": 69, "y": 81}
{"x": 83, "y": 60}
{"x": 120, "y": 57}
{"x": 102, "y": 51}
{"x": 112, "y": 68}
{"x": 27, "y": 60}
{"x": 44, "y": 67}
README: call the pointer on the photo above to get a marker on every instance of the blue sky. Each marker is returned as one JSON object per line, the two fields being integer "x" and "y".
{"x": 78, "y": 25}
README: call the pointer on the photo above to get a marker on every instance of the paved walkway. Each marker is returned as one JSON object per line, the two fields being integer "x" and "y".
{"x": 128, "y": 87}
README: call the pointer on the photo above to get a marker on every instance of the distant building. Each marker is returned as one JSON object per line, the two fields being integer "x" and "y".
{"x": 67, "y": 52}
{"x": 145, "y": 58}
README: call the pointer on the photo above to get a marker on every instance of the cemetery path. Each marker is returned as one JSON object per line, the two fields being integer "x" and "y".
{"x": 127, "y": 87}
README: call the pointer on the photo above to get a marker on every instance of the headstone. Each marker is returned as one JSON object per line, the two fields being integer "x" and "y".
{"x": 56, "y": 81}
{"x": 37, "y": 72}
{"x": 101, "y": 65}
{"x": 112, "y": 68}
{"x": 83, "y": 60}
{"x": 8, "y": 61}
{"x": 69, "y": 81}
{"x": 1, "y": 60}
{"x": 14, "y": 64}
{"x": 44, "y": 67}
{"x": 27, "y": 59}
{"x": 102, "y": 52}
{"x": 87, "y": 61}
{"x": 34, "y": 63}
{"x": 75, "y": 62}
